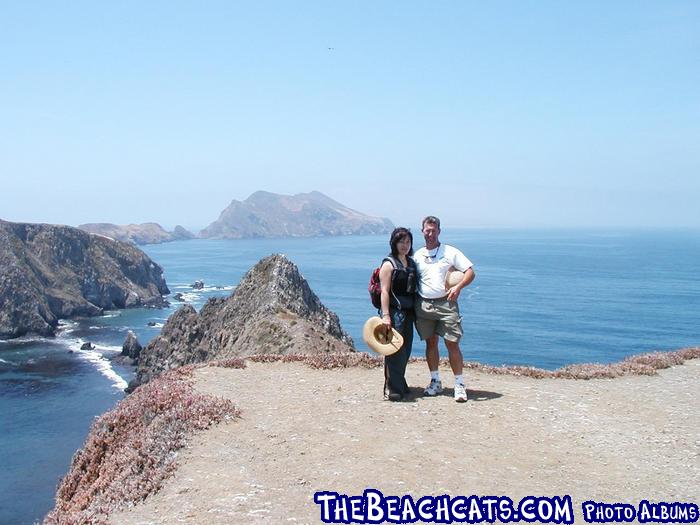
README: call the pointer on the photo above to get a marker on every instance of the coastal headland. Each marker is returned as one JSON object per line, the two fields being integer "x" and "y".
{"x": 50, "y": 272}
{"x": 244, "y": 411}
{"x": 303, "y": 427}
{"x": 147, "y": 233}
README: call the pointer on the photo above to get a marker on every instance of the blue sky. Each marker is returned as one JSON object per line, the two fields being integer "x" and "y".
{"x": 503, "y": 113}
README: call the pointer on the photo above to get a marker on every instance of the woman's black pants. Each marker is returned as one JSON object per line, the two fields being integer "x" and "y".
{"x": 395, "y": 364}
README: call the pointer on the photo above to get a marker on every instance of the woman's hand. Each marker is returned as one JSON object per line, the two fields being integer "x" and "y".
{"x": 386, "y": 319}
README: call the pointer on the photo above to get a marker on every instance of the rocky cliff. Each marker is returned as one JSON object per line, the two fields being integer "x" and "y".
{"x": 272, "y": 311}
{"x": 50, "y": 272}
{"x": 146, "y": 233}
{"x": 265, "y": 214}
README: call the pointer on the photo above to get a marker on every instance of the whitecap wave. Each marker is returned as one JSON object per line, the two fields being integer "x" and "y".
{"x": 217, "y": 288}
{"x": 6, "y": 362}
{"x": 112, "y": 314}
{"x": 192, "y": 296}
{"x": 107, "y": 348}
{"x": 103, "y": 365}
{"x": 66, "y": 327}
{"x": 27, "y": 339}
{"x": 207, "y": 288}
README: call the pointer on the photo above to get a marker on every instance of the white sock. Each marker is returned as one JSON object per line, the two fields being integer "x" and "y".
{"x": 435, "y": 375}
{"x": 459, "y": 380}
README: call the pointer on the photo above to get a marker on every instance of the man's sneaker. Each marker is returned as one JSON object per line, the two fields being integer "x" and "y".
{"x": 460, "y": 393}
{"x": 434, "y": 388}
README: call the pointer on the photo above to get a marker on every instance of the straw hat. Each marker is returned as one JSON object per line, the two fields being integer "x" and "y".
{"x": 453, "y": 278}
{"x": 375, "y": 336}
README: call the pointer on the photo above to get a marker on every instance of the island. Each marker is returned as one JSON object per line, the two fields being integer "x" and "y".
{"x": 313, "y": 214}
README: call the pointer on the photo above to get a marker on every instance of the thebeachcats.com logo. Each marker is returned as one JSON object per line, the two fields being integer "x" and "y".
{"x": 374, "y": 507}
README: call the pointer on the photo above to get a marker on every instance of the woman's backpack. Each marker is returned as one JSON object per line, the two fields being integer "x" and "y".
{"x": 375, "y": 286}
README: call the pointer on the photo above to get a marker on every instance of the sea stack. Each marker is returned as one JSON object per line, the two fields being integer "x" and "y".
{"x": 131, "y": 347}
{"x": 272, "y": 311}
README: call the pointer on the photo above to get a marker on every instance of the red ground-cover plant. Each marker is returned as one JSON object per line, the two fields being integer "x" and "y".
{"x": 323, "y": 361}
{"x": 641, "y": 364}
{"x": 234, "y": 362}
{"x": 132, "y": 449}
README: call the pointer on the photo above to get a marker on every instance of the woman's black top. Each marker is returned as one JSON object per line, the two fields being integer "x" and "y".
{"x": 403, "y": 283}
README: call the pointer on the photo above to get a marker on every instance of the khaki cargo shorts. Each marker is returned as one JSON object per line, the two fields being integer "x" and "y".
{"x": 438, "y": 316}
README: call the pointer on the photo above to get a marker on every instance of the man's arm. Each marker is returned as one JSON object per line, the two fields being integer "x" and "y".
{"x": 453, "y": 293}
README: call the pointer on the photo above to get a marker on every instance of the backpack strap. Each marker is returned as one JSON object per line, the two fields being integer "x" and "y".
{"x": 390, "y": 258}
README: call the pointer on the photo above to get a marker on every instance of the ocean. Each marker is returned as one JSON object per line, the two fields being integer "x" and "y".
{"x": 542, "y": 298}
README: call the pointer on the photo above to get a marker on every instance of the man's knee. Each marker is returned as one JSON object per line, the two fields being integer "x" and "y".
{"x": 452, "y": 346}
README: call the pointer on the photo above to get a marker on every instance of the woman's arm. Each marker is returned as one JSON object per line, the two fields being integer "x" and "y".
{"x": 385, "y": 281}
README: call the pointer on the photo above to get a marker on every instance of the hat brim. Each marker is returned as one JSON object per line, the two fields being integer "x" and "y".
{"x": 373, "y": 335}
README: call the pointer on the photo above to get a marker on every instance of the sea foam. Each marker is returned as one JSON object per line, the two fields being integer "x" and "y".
{"x": 101, "y": 363}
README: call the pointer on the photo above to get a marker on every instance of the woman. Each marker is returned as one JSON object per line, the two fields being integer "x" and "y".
{"x": 397, "y": 276}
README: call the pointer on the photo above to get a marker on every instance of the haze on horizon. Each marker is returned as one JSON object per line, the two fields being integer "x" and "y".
{"x": 499, "y": 114}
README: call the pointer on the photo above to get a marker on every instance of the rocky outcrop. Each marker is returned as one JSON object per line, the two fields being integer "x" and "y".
{"x": 272, "y": 311}
{"x": 265, "y": 214}
{"x": 146, "y": 233}
{"x": 131, "y": 347}
{"x": 181, "y": 234}
{"x": 50, "y": 272}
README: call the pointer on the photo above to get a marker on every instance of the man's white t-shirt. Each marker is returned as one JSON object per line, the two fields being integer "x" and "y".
{"x": 433, "y": 266}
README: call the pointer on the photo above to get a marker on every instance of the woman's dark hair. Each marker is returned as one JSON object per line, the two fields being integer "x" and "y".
{"x": 397, "y": 235}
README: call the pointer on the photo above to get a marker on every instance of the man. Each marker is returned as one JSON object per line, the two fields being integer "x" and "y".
{"x": 437, "y": 310}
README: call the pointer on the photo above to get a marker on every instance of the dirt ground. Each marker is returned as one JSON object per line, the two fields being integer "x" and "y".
{"x": 304, "y": 430}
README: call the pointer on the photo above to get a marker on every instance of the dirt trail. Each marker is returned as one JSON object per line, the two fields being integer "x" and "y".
{"x": 305, "y": 430}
